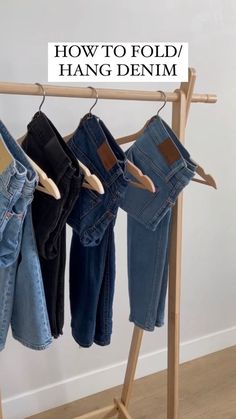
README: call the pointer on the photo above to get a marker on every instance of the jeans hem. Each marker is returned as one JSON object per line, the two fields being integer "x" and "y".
{"x": 142, "y": 326}
{"x": 103, "y": 342}
{"x": 160, "y": 324}
{"x": 83, "y": 345}
{"x": 31, "y": 345}
{"x": 88, "y": 345}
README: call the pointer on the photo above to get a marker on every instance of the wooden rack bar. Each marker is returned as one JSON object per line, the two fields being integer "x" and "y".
{"x": 181, "y": 99}
{"x": 86, "y": 92}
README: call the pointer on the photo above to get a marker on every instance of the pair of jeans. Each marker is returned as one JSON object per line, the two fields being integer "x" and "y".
{"x": 161, "y": 156}
{"x": 47, "y": 148}
{"x": 92, "y": 255}
{"x": 22, "y": 299}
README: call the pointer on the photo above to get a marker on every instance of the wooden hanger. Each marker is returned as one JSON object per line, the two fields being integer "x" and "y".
{"x": 207, "y": 179}
{"x": 136, "y": 135}
{"x": 5, "y": 156}
{"x": 91, "y": 181}
{"x": 46, "y": 184}
{"x": 143, "y": 181}
{"x": 132, "y": 137}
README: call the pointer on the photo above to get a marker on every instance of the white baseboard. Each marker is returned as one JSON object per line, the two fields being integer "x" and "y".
{"x": 26, "y": 404}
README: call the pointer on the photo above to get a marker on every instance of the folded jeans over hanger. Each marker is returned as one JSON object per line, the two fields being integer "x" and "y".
{"x": 46, "y": 147}
{"x": 160, "y": 155}
{"x": 22, "y": 299}
{"x": 92, "y": 256}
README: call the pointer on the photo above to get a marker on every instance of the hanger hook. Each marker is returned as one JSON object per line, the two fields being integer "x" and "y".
{"x": 44, "y": 95}
{"x": 165, "y": 101}
{"x": 94, "y": 90}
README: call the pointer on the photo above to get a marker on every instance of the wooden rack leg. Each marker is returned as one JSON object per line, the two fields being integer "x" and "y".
{"x": 131, "y": 367}
{"x": 1, "y": 415}
{"x": 179, "y": 119}
{"x": 178, "y": 124}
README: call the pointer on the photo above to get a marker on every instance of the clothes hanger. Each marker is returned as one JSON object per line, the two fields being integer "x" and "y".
{"x": 5, "y": 156}
{"x": 142, "y": 181}
{"x": 49, "y": 186}
{"x": 207, "y": 179}
{"x": 136, "y": 135}
{"x": 90, "y": 181}
{"x": 46, "y": 184}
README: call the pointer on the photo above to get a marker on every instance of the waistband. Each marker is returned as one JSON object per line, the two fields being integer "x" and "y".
{"x": 12, "y": 179}
{"x": 95, "y": 146}
{"x": 28, "y": 189}
{"x": 55, "y": 150}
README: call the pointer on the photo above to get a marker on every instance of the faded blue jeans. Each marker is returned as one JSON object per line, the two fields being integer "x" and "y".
{"x": 22, "y": 300}
{"x": 161, "y": 156}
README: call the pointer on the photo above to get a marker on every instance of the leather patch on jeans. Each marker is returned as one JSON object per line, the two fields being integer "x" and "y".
{"x": 169, "y": 151}
{"x": 107, "y": 156}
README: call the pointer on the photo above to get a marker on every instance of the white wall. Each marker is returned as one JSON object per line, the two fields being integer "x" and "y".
{"x": 209, "y": 263}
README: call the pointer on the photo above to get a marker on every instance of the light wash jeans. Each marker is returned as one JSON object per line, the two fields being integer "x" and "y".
{"x": 22, "y": 300}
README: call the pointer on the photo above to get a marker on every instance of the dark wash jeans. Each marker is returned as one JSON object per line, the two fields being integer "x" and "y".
{"x": 92, "y": 256}
{"x": 47, "y": 148}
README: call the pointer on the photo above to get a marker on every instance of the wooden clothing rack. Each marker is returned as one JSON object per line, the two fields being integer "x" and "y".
{"x": 181, "y": 100}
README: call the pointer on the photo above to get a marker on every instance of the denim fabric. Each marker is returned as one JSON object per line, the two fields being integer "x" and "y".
{"x": 92, "y": 256}
{"x": 94, "y": 146}
{"x": 46, "y": 147}
{"x": 29, "y": 321}
{"x": 11, "y": 216}
{"x": 92, "y": 274}
{"x": 22, "y": 300}
{"x": 162, "y": 157}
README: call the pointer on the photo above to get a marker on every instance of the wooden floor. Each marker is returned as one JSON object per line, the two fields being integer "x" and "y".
{"x": 208, "y": 391}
